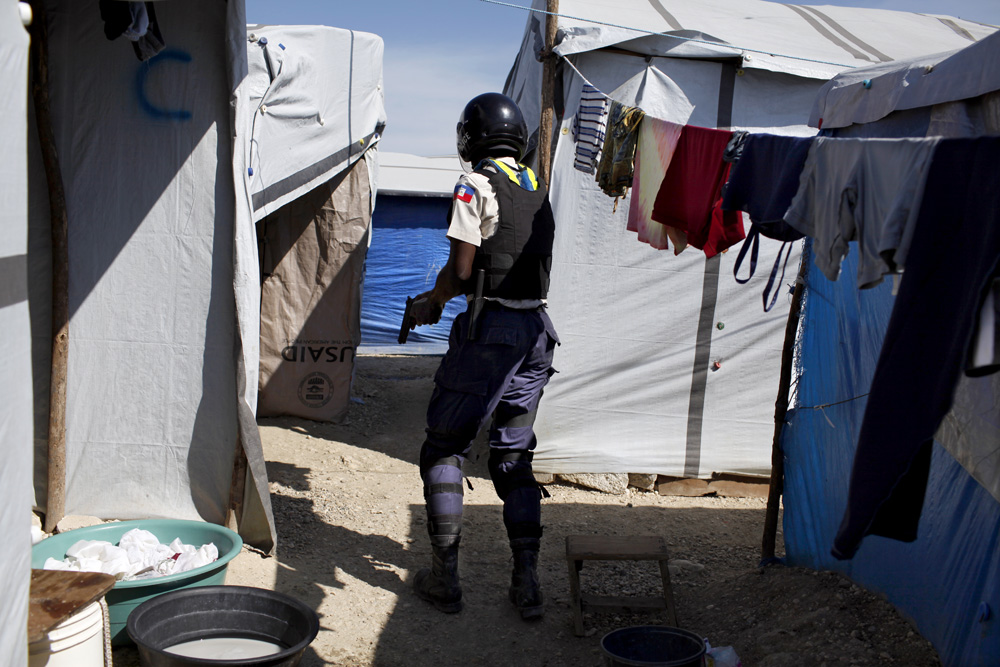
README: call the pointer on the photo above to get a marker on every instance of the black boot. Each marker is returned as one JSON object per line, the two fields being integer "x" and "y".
{"x": 524, "y": 590}
{"x": 439, "y": 584}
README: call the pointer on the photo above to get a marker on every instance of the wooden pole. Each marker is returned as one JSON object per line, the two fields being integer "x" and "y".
{"x": 55, "y": 505}
{"x": 780, "y": 409}
{"x": 549, "y": 61}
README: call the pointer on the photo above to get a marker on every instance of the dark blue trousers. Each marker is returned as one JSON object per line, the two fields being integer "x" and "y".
{"x": 501, "y": 375}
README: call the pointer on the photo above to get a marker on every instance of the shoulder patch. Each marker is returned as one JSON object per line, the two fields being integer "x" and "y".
{"x": 464, "y": 192}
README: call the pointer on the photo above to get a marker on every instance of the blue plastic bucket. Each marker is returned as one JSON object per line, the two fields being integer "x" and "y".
{"x": 126, "y": 595}
{"x": 653, "y": 646}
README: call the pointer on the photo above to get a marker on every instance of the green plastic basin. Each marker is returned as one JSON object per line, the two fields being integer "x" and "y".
{"x": 126, "y": 595}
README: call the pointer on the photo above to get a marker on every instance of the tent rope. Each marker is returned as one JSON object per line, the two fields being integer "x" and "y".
{"x": 666, "y": 34}
{"x": 829, "y": 405}
{"x": 822, "y": 408}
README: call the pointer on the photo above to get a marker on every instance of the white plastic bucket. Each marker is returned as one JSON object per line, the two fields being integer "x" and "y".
{"x": 76, "y": 642}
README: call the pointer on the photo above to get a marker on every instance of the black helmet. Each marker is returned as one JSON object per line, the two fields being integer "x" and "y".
{"x": 491, "y": 123}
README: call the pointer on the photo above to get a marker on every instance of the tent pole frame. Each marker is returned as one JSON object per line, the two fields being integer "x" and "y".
{"x": 549, "y": 60}
{"x": 776, "y": 488}
{"x": 55, "y": 505}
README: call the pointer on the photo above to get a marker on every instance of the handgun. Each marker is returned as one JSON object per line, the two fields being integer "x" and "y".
{"x": 404, "y": 328}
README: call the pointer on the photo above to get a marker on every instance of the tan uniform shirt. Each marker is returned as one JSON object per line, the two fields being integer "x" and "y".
{"x": 475, "y": 214}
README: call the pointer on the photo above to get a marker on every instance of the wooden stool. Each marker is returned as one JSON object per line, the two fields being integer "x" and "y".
{"x": 597, "y": 547}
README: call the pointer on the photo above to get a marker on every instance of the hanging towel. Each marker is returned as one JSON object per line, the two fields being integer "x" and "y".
{"x": 614, "y": 172}
{"x": 955, "y": 251}
{"x": 656, "y": 145}
{"x": 864, "y": 190}
{"x": 690, "y": 196}
{"x": 589, "y": 127}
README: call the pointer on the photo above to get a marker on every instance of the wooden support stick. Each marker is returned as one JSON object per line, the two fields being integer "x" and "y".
{"x": 548, "y": 94}
{"x": 55, "y": 504}
{"x": 780, "y": 409}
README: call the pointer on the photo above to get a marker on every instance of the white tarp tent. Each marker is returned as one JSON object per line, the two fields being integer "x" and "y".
{"x": 315, "y": 104}
{"x": 405, "y": 175}
{"x": 145, "y": 152}
{"x": 164, "y": 282}
{"x": 641, "y": 328}
{"x": 15, "y": 341}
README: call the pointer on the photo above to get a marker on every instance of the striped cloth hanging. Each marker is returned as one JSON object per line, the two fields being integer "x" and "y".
{"x": 589, "y": 127}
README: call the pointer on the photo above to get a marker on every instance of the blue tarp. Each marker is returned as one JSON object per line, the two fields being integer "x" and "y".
{"x": 949, "y": 577}
{"x": 408, "y": 249}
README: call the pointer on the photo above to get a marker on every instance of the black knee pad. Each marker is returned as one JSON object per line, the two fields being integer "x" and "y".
{"x": 507, "y": 478}
{"x": 431, "y": 455}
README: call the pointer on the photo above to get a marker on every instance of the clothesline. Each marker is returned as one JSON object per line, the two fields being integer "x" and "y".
{"x": 743, "y": 49}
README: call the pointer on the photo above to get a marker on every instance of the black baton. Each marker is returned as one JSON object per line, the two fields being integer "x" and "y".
{"x": 476, "y": 307}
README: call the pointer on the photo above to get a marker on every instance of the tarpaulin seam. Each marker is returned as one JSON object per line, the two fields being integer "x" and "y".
{"x": 833, "y": 39}
{"x": 848, "y": 34}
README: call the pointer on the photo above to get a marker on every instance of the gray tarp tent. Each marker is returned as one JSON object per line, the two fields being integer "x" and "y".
{"x": 641, "y": 327}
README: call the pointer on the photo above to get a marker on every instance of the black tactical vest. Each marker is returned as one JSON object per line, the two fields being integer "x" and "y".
{"x": 517, "y": 259}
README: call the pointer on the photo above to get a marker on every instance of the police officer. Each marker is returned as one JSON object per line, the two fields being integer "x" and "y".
{"x": 500, "y": 224}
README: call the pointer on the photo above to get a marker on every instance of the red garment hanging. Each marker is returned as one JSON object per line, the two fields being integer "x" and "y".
{"x": 690, "y": 197}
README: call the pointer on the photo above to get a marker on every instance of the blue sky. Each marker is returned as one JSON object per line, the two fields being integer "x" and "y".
{"x": 441, "y": 53}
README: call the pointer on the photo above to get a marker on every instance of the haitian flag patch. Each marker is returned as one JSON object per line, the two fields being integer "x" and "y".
{"x": 463, "y": 193}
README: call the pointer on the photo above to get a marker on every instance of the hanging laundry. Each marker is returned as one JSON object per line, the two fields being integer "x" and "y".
{"x": 734, "y": 149}
{"x": 614, "y": 172}
{"x": 137, "y": 22}
{"x": 863, "y": 190}
{"x": 955, "y": 250}
{"x": 589, "y": 128}
{"x": 763, "y": 182}
{"x": 690, "y": 196}
{"x": 140, "y": 21}
{"x": 984, "y": 354}
{"x": 656, "y": 144}
{"x": 117, "y": 17}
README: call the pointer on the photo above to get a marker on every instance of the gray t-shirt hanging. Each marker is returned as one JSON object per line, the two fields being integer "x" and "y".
{"x": 864, "y": 190}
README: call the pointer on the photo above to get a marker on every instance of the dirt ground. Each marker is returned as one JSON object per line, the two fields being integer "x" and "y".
{"x": 348, "y": 505}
